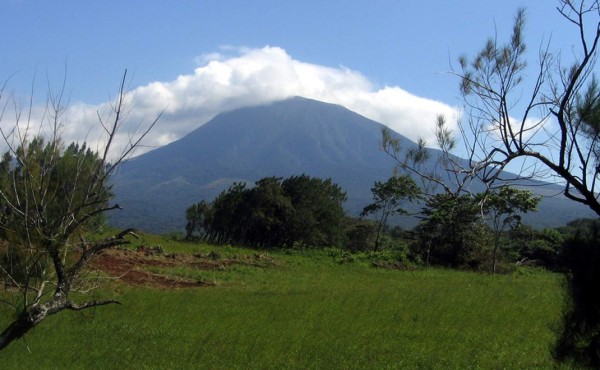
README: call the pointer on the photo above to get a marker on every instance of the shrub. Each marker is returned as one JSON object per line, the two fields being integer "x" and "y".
{"x": 579, "y": 339}
{"x": 360, "y": 235}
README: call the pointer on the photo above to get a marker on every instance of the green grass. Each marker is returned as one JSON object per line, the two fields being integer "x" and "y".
{"x": 307, "y": 311}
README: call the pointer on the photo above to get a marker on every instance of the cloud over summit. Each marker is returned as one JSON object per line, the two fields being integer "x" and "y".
{"x": 223, "y": 82}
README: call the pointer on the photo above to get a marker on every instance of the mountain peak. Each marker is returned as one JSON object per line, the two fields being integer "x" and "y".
{"x": 284, "y": 138}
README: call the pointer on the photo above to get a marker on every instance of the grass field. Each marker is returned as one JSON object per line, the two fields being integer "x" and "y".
{"x": 306, "y": 310}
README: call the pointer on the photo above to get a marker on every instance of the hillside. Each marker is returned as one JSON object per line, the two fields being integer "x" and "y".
{"x": 284, "y": 138}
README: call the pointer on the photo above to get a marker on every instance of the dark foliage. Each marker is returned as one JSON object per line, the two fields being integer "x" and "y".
{"x": 317, "y": 214}
{"x": 579, "y": 339}
{"x": 299, "y": 210}
{"x": 195, "y": 216}
{"x": 360, "y": 234}
{"x": 55, "y": 179}
{"x": 446, "y": 233}
{"x": 537, "y": 247}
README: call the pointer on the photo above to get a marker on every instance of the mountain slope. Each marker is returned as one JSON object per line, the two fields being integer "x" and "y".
{"x": 284, "y": 138}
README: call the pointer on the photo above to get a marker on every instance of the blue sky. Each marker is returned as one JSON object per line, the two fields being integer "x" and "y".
{"x": 378, "y": 57}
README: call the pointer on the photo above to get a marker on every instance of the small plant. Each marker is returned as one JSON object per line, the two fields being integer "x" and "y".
{"x": 215, "y": 256}
{"x": 341, "y": 256}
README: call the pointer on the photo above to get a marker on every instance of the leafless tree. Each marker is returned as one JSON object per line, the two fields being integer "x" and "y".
{"x": 540, "y": 121}
{"x": 548, "y": 128}
{"x": 51, "y": 199}
{"x": 436, "y": 170}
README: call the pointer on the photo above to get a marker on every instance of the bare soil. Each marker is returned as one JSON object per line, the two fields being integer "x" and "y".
{"x": 130, "y": 266}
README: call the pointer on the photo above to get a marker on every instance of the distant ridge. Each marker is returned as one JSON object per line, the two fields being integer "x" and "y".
{"x": 284, "y": 138}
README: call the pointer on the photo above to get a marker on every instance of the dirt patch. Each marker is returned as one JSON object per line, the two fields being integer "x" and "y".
{"x": 128, "y": 266}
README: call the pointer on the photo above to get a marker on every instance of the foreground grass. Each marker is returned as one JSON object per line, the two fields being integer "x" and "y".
{"x": 308, "y": 311}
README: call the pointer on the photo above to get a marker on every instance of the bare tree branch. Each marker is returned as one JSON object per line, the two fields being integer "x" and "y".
{"x": 50, "y": 194}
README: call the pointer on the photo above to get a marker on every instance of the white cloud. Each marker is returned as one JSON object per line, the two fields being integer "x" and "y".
{"x": 253, "y": 77}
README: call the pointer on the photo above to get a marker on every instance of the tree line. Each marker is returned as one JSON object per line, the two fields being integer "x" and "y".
{"x": 466, "y": 231}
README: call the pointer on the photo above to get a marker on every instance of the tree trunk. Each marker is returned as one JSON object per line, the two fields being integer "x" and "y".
{"x": 377, "y": 240}
{"x": 428, "y": 253}
{"x": 495, "y": 257}
{"x": 380, "y": 227}
{"x": 17, "y": 329}
{"x": 28, "y": 319}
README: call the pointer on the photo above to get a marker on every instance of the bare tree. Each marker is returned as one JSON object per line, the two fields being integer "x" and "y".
{"x": 437, "y": 171}
{"x": 51, "y": 198}
{"x": 544, "y": 125}
{"x": 546, "y": 129}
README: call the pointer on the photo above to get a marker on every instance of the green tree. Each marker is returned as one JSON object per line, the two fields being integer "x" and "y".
{"x": 267, "y": 211}
{"x": 195, "y": 216}
{"x": 360, "y": 234}
{"x": 388, "y": 199}
{"x": 318, "y": 215}
{"x": 52, "y": 197}
{"x": 447, "y": 228}
{"x": 277, "y": 212}
{"x": 223, "y": 222}
{"x": 250, "y": 216}
{"x": 504, "y": 207}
